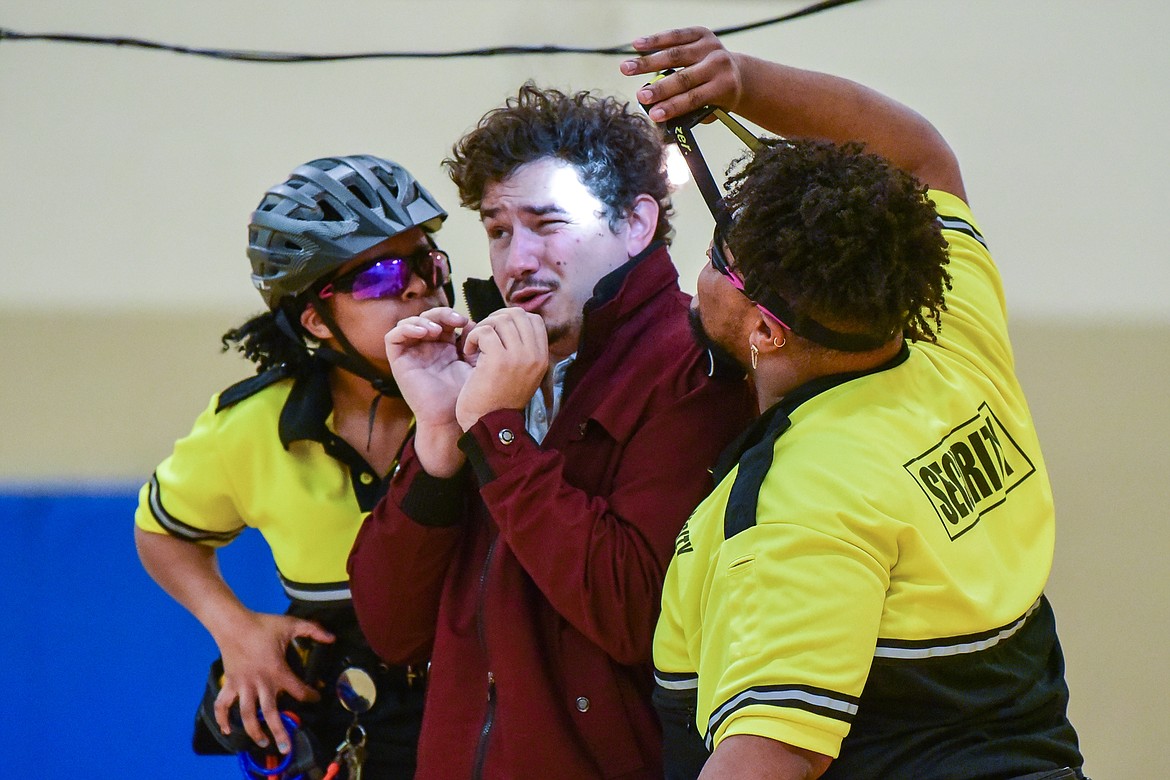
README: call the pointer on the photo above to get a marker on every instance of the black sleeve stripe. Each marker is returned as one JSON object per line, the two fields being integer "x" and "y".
{"x": 960, "y": 225}
{"x": 316, "y": 592}
{"x": 936, "y": 648}
{"x": 176, "y": 527}
{"x": 823, "y": 702}
{"x": 675, "y": 681}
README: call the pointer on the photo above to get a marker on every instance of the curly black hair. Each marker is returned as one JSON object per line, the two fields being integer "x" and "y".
{"x": 263, "y": 341}
{"x": 841, "y": 235}
{"x": 618, "y": 152}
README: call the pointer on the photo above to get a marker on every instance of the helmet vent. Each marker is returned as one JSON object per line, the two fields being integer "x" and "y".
{"x": 364, "y": 197}
{"x": 391, "y": 184}
{"x": 328, "y": 213}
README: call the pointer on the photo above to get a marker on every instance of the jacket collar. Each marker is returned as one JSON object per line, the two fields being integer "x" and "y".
{"x": 620, "y": 292}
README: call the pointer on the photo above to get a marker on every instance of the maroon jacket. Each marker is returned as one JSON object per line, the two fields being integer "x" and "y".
{"x": 532, "y": 580}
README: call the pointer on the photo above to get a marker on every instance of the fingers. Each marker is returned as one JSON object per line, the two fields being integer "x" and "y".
{"x": 510, "y": 348}
{"x": 677, "y": 94}
{"x": 511, "y": 314}
{"x": 473, "y": 340}
{"x": 673, "y": 49}
{"x": 223, "y": 705}
{"x": 535, "y": 333}
{"x": 511, "y": 329}
{"x": 430, "y": 325}
{"x": 272, "y": 719}
{"x": 433, "y": 328}
{"x": 249, "y": 700}
{"x": 256, "y": 674}
{"x": 461, "y": 343}
{"x": 258, "y": 707}
{"x": 444, "y": 314}
{"x": 311, "y": 630}
{"x": 705, "y": 72}
{"x": 680, "y": 36}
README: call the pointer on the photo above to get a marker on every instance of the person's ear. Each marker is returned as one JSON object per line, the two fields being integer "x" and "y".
{"x": 767, "y": 335}
{"x": 641, "y": 222}
{"x": 312, "y": 322}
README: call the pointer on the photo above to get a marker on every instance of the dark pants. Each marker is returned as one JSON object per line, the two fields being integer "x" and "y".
{"x": 391, "y": 726}
{"x": 683, "y": 750}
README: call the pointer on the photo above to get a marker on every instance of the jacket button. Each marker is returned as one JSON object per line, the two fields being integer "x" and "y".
{"x": 582, "y": 704}
{"x": 506, "y": 436}
{"x": 366, "y": 478}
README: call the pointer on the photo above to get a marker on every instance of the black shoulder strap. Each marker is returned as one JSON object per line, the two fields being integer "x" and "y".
{"x": 250, "y": 386}
{"x": 740, "y": 512}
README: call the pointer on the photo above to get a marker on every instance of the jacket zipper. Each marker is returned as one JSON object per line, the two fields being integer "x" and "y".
{"x": 481, "y": 751}
{"x": 481, "y": 626}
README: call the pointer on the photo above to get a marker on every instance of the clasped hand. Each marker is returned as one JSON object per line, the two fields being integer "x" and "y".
{"x": 452, "y": 371}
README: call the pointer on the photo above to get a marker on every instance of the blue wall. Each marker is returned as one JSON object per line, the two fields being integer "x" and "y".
{"x": 103, "y": 670}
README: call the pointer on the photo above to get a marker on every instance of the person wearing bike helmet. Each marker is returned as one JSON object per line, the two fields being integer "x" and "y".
{"x": 340, "y": 251}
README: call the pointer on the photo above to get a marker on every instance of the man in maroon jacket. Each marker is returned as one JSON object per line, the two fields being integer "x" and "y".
{"x": 560, "y": 445}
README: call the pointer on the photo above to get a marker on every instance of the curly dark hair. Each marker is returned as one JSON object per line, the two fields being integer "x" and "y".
{"x": 262, "y": 340}
{"x": 841, "y": 235}
{"x": 618, "y": 153}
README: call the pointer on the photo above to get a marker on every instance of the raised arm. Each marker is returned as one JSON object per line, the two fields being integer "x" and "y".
{"x": 789, "y": 101}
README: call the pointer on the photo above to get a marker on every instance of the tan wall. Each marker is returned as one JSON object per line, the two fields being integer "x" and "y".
{"x": 101, "y": 397}
{"x": 1097, "y": 393}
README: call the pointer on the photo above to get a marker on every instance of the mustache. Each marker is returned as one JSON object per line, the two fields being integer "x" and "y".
{"x": 520, "y": 285}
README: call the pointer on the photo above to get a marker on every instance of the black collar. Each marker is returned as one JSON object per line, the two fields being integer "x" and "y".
{"x": 309, "y": 404}
{"x": 608, "y": 286}
{"x": 772, "y": 423}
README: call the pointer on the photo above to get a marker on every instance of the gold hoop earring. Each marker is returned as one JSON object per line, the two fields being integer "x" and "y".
{"x": 755, "y": 356}
{"x": 781, "y": 344}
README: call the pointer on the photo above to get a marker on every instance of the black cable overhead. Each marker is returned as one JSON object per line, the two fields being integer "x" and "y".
{"x": 290, "y": 57}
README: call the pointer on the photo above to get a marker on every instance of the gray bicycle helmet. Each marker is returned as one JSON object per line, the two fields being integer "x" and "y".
{"x": 326, "y": 213}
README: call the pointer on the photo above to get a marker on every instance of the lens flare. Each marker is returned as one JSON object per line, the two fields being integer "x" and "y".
{"x": 678, "y": 173}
